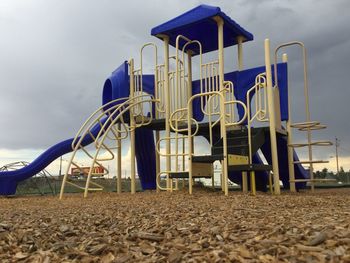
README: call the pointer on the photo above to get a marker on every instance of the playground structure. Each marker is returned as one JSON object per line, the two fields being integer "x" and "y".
{"x": 161, "y": 114}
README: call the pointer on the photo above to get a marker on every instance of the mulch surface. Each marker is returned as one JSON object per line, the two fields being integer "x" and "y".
{"x": 177, "y": 227}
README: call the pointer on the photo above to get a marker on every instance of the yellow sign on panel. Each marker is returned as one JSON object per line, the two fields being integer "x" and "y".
{"x": 234, "y": 159}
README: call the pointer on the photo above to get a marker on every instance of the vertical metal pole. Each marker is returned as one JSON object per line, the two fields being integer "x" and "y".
{"x": 132, "y": 131}
{"x": 119, "y": 161}
{"x": 189, "y": 90}
{"x": 190, "y": 113}
{"x": 336, "y": 154}
{"x": 167, "y": 107}
{"x": 240, "y": 67}
{"x": 157, "y": 158}
{"x": 60, "y": 171}
{"x": 271, "y": 109}
{"x": 240, "y": 52}
{"x": 220, "y": 24}
{"x": 252, "y": 183}
{"x": 308, "y": 118}
{"x": 156, "y": 83}
{"x": 290, "y": 140}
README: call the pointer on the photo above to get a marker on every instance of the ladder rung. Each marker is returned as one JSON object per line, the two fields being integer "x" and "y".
{"x": 95, "y": 189}
{"x": 305, "y": 124}
{"x": 314, "y": 128}
{"x": 309, "y": 161}
{"x": 311, "y": 180}
{"x": 316, "y": 143}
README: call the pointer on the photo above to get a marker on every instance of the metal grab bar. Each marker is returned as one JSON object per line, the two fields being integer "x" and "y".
{"x": 176, "y": 129}
{"x": 159, "y": 92}
{"x": 158, "y": 178}
{"x": 306, "y": 85}
{"x": 260, "y": 106}
{"x": 170, "y": 154}
{"x": 180, "y": 71}
{"x": 230, "y": 102}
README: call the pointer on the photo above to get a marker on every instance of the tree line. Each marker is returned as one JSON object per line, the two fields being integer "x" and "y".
{"x": 342, "y": 176}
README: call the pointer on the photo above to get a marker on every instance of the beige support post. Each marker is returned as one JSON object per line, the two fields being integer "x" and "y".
{"x": 189, "y": 89}
{"x": 220, "y": 24}
{"x": 157, "y": 157}
{"x": 240, "y": 67}
{"x": 190, "y": 112}
{"x": 132, "y": 131}
{"x": 245, "y": 182}
{"x": 270, "y": 183}
{"x": 157, "y": 132}
{"x": 290, "y": 141}
{"x": 240, "y": 52}
{"x": 271, "y": 109}
{"x": 167, "y": 107}
{"x": 119, "y": 161}
{"x": 252, "y": 183}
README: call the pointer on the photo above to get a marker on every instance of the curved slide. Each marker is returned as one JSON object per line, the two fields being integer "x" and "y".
{"x": 10, "y": 179}
{"x": 116, "y": 86}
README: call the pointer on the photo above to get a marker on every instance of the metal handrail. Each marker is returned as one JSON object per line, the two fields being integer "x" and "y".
{"x": 113, "y": 118}
{"x": 87, "y": 125}
{"x": 260, "y": 107}
{"x": 113, "y": 121}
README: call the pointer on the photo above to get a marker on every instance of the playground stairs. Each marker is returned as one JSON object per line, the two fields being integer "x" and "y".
{"x": 237, "y": 149}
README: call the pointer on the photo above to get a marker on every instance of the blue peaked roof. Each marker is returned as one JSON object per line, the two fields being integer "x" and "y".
{"x": 198, "y": 24}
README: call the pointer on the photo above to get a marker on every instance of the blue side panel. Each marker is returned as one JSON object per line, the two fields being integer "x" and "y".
{"x": 146, "y": 158}
{"x": 148, "y": 84}
{"x": 9, "y": 179}
{"x": 299, "y": 171}
{"x": 261, "y": 177}
{"x": 245, "y": 79}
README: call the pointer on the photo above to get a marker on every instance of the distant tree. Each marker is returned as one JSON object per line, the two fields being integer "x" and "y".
{"x": 324, "y": 173}
{"x": 342, "y": 176}
{"x": 317, "y": 174}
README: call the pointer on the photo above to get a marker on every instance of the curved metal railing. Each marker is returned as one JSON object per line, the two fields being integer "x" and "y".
{"x": 113, "y": 115}
{"x": 259, "y": 90}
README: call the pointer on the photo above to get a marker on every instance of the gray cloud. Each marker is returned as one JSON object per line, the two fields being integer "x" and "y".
{"x": 55, "y": 56}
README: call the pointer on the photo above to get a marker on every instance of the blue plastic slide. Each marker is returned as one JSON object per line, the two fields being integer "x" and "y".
{"x": 146, "y": 158}
{"x": 299, "y": 170}
{"x": 10, "y": 179}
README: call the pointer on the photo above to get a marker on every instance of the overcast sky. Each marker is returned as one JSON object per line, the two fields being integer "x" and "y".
{"x": 56, "y": 54}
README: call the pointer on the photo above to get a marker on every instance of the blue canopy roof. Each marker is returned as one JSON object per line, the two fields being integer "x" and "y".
{"x": 198, "y": 24}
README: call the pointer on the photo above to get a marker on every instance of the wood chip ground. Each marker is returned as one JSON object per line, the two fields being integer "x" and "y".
{"x": 177, "y": 227}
